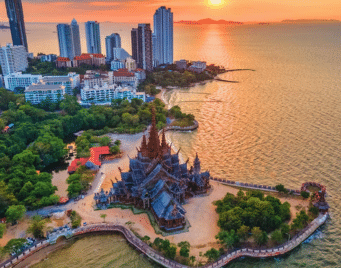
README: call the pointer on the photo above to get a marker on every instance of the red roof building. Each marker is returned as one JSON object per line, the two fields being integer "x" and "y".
{"x": 90, "y": 59}
{"x": 92, "y": 162}
{"x": 63, "y": 62}
{"x": 96, "y": 152}
{"x": 76, "y": 164}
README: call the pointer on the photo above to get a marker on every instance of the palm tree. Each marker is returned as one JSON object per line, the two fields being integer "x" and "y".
{"x": 103, "y": 216}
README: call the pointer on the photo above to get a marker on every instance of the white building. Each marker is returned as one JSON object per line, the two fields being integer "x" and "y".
{"x": 20, "y": 80}
{"x": 122, "y": 76}
{"x": 38, "y": 92}
{"x": 13, "y": 59}
{"x": 140, "y": 75}
{"x": 198, "y": 66}
{"x": 106, "y": 93}
{"x": 70, "y": 81}
{"x": 130, "y": 64}
{"x": 116, "y": 65}
{"x": 93, "y": 78}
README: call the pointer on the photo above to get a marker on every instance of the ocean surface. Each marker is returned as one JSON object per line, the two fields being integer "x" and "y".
{"x": 281, "y": 123}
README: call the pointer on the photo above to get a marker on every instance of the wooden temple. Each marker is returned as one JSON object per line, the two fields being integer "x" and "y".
{"x": 157, "y": 181}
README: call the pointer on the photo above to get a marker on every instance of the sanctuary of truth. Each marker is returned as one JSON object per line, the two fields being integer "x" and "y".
{"x": 157, "y": 181}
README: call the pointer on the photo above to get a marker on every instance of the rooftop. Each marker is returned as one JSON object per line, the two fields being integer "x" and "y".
{"x": 63, "y": 59}
{"x": 43, "y": 87}
{"x": 96, "y": 152}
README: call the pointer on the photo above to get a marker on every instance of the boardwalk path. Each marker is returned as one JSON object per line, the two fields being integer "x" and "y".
{"x": 157, "y": 257}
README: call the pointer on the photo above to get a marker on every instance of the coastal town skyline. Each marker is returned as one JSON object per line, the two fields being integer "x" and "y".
{"x": 137, "y": 11}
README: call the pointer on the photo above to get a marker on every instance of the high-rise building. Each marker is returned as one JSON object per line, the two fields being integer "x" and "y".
{"x": 163, "y": 36}
{"x": 76, "y": 40}
{"x": 69, "y": 40}
{"x": 16, "y": 21}
{"x": 65, "y": 41}
{"x": 112, "y": 41}
{"x": 13, "y": 59}
{"x": 93, "y": 37}
{"x": 142, "y": 50}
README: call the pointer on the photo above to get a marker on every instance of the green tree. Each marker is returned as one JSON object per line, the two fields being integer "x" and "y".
{"x": 256, "y": 233}
{"x": 37, "y": 226}
{"x": 2, "y": 229}
{"x": 280, "y": 188}
{"x": 15, "y": 245}
{"x": 184, "y": 248}
{"x": 277, "y": 237}
{"x": 70, "y": 104}
{"x": 243, "y": 232}
{"x": 6, "y": 198}
{"x": 50, "y": 148}
{"x": 170, "y": 252}
{"x": 103, "y": 216}
{"x": 15, "y": 213}
{"x": 305, "y": 194}
{"x": 212, "y": 254}
{"x": 228, "y": 238}
{"x": 105, "y": 141}
{"x": 285, "y": 229}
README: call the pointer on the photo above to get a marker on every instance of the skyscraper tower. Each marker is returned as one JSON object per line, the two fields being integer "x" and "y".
{"x": 16, "y": 21}
{"x": 142, "y": 49}
{"x": 112, "y": 41}
{"x": 93, "y": 37}
{"x": 66, "y": 48}
{"x": 69, "y": 40}
{"x": 76, "y": 38}
{"x": 163, "y": 36}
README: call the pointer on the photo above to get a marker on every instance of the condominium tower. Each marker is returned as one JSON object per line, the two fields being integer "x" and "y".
{"x": 142, "y": 50}
{"x": 93, "y": 37}
{"x": 76, "y": 40}
{"x": 69, "y": 40}
{"x": 163, "y": 36}
{"x": 16, "y": 21}
{"x": 13, "y": 59}
{"x": 112, "y": 41}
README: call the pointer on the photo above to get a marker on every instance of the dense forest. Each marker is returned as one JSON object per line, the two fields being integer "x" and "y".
{"x": 38, "y": 138}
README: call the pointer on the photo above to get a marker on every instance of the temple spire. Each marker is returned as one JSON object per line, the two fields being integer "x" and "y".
{"x": 164, "y": 142}
{"x": 196, "y": 168}
{"x": 154, "y": 141}
{"x": 144, "y": 144}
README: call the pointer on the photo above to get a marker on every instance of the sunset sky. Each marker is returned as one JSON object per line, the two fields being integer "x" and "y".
{"x": 143, "y": 10}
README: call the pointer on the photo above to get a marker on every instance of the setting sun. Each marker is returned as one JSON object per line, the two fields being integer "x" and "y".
{"x": 215, "y": 2}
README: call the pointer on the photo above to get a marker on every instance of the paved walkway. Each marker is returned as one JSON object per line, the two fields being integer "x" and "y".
{"x": 157, "y": 257}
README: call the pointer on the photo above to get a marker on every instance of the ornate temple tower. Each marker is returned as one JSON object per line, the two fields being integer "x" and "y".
{"x": 154, "y": 141}
{"x": 197, "y": 168}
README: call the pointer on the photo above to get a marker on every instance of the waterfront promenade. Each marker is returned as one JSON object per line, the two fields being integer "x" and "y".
{"x": 157, "y": 257}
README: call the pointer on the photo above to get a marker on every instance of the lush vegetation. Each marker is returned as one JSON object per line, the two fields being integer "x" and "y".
{"x": 171, "y": 76}
{"x": 36, "y": 142}
{"x": 252, "y": 215}
{"x": 88, "y": 140}
{"x": 37, "y": 226}
{"x": 170, "y": 250}
{"x": 182, "y": 119}
{"x": 49, "y": 68}
{"x": 76, "y": 219}
{"x": 251, "y": 210}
